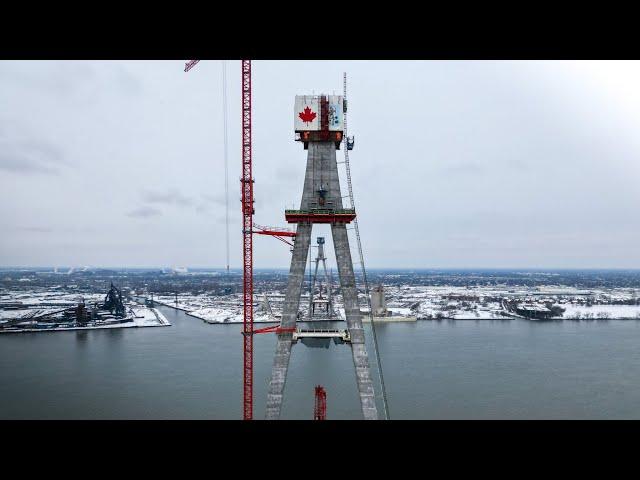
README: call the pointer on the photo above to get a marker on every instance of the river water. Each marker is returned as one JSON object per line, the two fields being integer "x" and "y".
{"x": 463, "y": 369}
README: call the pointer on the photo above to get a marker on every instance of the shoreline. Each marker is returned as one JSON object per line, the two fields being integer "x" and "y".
{"x": 414, "y": 319}
{"x": 162, "y": 322}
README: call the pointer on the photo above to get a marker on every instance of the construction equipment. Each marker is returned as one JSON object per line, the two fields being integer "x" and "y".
{"x": 247, "y": 234}
{"x": 247, "y": 244}
{"x": 350, "y": 142}
{"x": 277, "y": 232}
{"x": 320, "y": 408}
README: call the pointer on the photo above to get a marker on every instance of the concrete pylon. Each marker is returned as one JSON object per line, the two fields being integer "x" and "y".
{"x": 321, "y": 194}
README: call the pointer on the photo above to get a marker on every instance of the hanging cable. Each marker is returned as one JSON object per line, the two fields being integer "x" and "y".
{"x": 364, "y": 272}
{"x": 226, "y": 156}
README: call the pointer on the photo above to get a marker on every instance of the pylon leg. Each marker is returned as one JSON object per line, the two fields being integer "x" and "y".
{"x": 354, "y": 321}
{"x": 289, "y": 317}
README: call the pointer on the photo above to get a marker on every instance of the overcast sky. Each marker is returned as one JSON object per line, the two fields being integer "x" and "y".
{"x": 456, "y": 164}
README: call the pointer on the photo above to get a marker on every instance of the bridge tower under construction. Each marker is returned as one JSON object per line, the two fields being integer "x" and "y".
{"x": 319, "y": 126}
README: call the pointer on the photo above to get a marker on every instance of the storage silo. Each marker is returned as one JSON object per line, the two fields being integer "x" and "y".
{"x": 378, "y": 303}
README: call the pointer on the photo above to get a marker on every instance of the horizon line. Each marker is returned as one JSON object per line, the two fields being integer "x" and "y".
{"x": 239, "y": 269}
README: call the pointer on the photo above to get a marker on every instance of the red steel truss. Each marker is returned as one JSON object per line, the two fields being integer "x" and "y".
{"x": 320, "y": 409}
{"x": 247, "y": 232}
{"x": 277, "y": 232}
{"x": 274, "y": 329}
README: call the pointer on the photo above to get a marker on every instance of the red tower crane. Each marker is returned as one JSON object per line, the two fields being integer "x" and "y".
{"x": 320, "y": 408}
{"x": 247, "y": 232}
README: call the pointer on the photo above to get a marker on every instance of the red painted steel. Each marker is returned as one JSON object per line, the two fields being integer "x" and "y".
{"x": 324, "y": 118}
{"x": 285, "y": 329}
{"x": 270, "y": 329}
{"x": 279, "y": 238}
{"x": 274, "y": 329}
{"x": 320, "y": 409}
{"x": 319, "y": 136}
{"x": 275, "y": 232}
{"x": 247, "y": 232}
{"x": 319, "y": 217}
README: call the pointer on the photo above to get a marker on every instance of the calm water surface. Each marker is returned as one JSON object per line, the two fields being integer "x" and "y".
{"x": 433, "y": 370}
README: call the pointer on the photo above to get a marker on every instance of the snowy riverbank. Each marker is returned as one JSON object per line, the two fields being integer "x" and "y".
{"x": 139, "y": 317}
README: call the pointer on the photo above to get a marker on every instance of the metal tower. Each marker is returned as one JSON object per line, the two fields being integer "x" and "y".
{"x": 247, "y": 244}
{"x": 319, "y": 126}
{"x": 320, "y": 306}
{"x": 247, "y": 228}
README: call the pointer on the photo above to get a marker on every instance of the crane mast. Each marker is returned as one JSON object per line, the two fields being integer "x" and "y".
{"x": 247, "y": 233}
{"x": 320, "y": 406}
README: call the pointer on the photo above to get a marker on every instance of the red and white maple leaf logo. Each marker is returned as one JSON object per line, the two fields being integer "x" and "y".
{"x": 307, "y": 115}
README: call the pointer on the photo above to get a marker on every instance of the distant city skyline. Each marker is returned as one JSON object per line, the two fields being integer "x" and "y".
{"x": 457, "y": 164}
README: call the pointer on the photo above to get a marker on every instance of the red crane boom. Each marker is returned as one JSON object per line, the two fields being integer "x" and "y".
{"x": 275, "y": 232}
{"x": 190, "y": 64}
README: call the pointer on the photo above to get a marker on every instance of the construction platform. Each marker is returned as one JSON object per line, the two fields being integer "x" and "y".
{"x": 321, "y": 338}
{"x": 321, "y": 333}
{"x": 346, "y": 215}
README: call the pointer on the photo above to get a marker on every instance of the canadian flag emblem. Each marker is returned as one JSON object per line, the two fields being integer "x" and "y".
{"x": 307, "y": 115}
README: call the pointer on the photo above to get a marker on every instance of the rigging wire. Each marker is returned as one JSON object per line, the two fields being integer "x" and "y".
{"x": 364, "y": 272}
{"x": 226, "y": 157}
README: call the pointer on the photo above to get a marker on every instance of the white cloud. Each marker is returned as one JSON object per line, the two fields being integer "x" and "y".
{"x": 456, "y": 163}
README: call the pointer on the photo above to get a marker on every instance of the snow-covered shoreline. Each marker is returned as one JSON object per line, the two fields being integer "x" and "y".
{"x": 427, "y": 302}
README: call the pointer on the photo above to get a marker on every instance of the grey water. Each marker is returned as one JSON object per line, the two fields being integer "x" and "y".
{"x": 464, "y": 369}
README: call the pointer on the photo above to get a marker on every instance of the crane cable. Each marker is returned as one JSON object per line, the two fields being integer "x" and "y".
{"x": 364, "y": 272}
{"x": 226, "y": 157}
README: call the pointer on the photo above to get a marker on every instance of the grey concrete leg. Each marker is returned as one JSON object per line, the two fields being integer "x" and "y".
{"x": 278, "y": 376}
{"x": 289, "y": 317}
{"x": 354, "y": 322}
